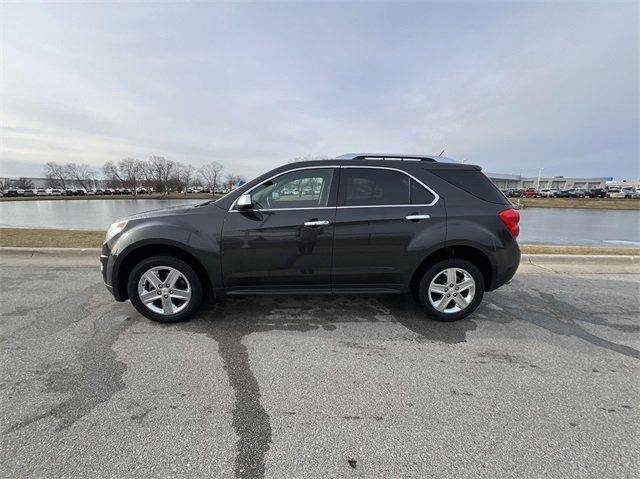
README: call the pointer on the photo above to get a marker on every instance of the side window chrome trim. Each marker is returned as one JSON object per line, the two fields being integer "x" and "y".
{"x": 320, "y": 167}
{"x": 380, "y": 206}
{"x": 436, "y": 197}
{"x": 293, "y": 209}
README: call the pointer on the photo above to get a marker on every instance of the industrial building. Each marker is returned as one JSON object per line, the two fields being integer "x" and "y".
{"x": 504, "y": 181}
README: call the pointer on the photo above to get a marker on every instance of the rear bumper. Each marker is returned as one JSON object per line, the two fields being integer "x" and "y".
{"x": 505, "y": 264}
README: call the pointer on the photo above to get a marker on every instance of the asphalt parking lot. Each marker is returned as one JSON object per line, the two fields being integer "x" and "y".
{"x": 541, "y": 381}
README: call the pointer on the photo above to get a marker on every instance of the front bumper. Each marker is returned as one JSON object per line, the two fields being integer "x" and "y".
{"x": 106, "y": 268}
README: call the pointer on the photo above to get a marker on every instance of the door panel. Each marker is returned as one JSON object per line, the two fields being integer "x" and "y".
{"x": 375, "y": 244}
{"x": 287, "y": 240}
{"x": 379, "y": 246}
{"x": 274, "y": 248}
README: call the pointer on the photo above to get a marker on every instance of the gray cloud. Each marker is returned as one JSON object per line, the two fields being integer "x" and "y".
{"x": 507, "y": 86}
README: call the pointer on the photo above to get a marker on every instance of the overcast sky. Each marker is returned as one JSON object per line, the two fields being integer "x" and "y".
{"x": 509, "y": 86}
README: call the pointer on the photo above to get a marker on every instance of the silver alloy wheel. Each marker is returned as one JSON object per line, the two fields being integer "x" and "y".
{"x": 164, "y": 290}
{"x": 451, "y": 290}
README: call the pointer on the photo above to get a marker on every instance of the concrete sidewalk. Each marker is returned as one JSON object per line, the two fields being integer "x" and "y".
{"x": 556, "y": 263}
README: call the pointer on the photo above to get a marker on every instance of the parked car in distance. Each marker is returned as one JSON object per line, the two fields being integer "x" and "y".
{"x": 354, "y": 224}
{"x": 56, "y": 192}
{"x": 616, "y": 193}
{"x": 630, "y": 193}
{"x": 578, "y": 193}
{"x": 549, "y": 192}
{"x": 597, "y": 193}
{"x": 531, "y": 193}
{"x": 29, "y": 192}
{"x": 513, "y": 193}
{"x": 11, "y": 193}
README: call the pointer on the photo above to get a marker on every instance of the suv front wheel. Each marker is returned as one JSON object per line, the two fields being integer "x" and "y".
{"x": 451, "y": 290}
{"x": 165, "y": 289}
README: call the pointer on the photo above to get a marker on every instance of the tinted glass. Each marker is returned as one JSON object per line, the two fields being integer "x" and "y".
{"x": 298, "y": 189}
{"x": 366, "y": 187}
{"x": 473, "y": 182}
{"x": 420, "y": 195}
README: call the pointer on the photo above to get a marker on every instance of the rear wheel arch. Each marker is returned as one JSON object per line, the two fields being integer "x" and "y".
{"x": 142, "y": 252}
{"x": 470, "y": 253}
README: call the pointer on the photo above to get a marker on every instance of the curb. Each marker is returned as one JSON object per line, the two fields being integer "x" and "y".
{"x": 583, "y": 259}
{"x": 34, "y": 253}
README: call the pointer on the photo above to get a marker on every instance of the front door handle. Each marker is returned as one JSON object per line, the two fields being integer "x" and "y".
{"x": 316, "y": 223}
{"x": 417, "y": 217}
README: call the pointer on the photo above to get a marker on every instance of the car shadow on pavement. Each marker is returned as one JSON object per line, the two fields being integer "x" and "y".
{"x": 559, "y": 317}
{"x": 231, "y": 319}
{"x": 99, "y": 373}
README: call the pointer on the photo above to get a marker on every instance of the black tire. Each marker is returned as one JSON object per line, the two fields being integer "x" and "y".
{"x": 437, "y": 268}
{"x": 172, "y": 261}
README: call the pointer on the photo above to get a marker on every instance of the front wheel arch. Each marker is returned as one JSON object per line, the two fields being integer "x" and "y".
{"x": 146, "y": 251}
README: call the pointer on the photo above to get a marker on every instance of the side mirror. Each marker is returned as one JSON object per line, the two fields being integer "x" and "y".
{"x": 244, "y": 203}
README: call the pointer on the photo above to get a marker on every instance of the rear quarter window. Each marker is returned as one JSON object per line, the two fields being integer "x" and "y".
{"x": 475, "y": 183}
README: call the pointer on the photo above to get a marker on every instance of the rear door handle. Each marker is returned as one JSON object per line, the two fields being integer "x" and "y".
{"x": 417, "y": 217}
{"x": 316, "y": 223}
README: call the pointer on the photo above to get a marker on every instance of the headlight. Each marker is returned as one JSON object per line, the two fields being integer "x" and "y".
{"x": 114, "y": 229}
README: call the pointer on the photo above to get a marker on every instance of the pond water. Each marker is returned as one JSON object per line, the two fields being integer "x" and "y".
{"x": 560, "y": 226}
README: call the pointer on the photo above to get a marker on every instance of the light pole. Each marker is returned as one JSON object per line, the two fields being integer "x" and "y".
{"x": 539, "y": 175}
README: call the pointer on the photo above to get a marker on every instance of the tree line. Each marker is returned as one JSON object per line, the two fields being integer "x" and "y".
{"x": 157, "y": 172}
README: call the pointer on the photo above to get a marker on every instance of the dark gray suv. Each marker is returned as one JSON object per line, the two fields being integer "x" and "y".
{"x": 360, "y": 223}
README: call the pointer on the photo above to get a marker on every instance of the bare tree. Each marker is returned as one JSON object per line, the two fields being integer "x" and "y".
{"x": 111, "y": 173}
{"x": 210, "y": 174}
{"x": 55, "y": 175}
{"x": 132, "y": 172}
{"x": 146, "y": 174}
{"x": 24, "y": 183}
{"x": 231, "y": 181}
{"x": 161, "y": 172}
{"x": 81, "y": 173}
{"x": 186, "y": 174}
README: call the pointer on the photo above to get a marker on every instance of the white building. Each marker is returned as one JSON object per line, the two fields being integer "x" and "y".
{"x": 504, "y": 181}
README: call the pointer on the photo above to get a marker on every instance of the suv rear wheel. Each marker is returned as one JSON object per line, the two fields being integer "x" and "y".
{"x": 165, "y": 289}
{"x": 451, "y": 289}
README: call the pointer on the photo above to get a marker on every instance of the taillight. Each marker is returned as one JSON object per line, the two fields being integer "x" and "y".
{"x": 511, "y": 218}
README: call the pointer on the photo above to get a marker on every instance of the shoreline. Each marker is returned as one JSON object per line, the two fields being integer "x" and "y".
{"x": 156, "y": 196}
{"x": 59, "y": 238}
{"x": 616, "y": 204}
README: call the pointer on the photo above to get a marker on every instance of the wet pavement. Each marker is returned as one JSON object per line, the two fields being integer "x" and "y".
{"x": 541, "y": 380}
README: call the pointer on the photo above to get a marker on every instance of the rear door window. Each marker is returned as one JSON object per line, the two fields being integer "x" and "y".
{"x": 373, "y": 187}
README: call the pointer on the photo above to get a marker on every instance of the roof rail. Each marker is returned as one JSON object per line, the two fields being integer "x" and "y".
{"x": 388, "y": 156}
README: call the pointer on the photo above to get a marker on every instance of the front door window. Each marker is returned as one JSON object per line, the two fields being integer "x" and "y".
{"x": 298, "y": 189}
